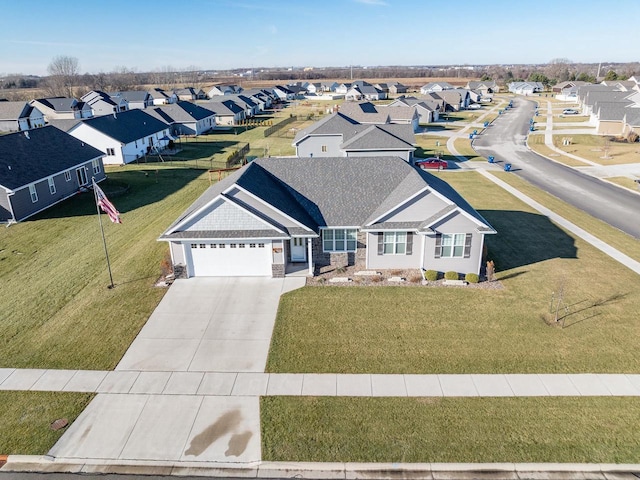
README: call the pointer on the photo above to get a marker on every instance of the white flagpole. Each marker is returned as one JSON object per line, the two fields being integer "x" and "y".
{"x": 104, "y": 241}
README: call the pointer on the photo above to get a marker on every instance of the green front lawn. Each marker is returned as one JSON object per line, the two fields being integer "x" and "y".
{"x": 25, "y": 419}
{"x": 57, "y": 310}
{"x": 484, "y": 430}
{"x": 599, "y": 149}
{"x": 454, "y": 330}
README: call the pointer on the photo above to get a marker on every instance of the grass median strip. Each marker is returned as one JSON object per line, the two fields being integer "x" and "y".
{"x": 564, "y": 429}
{"x": 25, "y": 419}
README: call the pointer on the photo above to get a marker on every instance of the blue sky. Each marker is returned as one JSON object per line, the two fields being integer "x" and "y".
{"x": 147, "y": 35}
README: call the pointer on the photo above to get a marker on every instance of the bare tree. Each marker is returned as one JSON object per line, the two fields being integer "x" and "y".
{"x": 63, "y": 76}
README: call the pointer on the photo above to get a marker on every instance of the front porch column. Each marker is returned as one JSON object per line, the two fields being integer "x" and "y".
{"x": 310, "y": 255}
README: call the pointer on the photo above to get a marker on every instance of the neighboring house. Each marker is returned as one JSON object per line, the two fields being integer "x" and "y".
{"x": 371, "y": 212}
{"x": 486, "y": 87}
{"x": 101, "y": 103}
{"x": 453, "y": 99}
{"x": 124, "y": 137}
{"x": 61, "y": 108}
{"x": 282, "y": 94}
{"x": 162, "y": 97}
{"x": 435, "y": 87}
{"x": 402, "y": 115}
{"x": 353, "y": 94}
{"x": 525, "y": 88}
{"x": 337, "y": 135}
{"x": 184, "y": 118}
{"x": 227, "y": 112}
{"x": 610, "y": 117}
{"x": 18, "y": 116}
{"x": 562, "y": 86}
{"x": 218, "y": 90}
{"x": 41, "y": 167}
{"x": 364, "y": 112}
{"x": 250, "y": 107}
{"x": 190, "y": 94}
{"x": 343, "y": 88}
{"x": 426, "y": 114}
{"x": 631, "y": 122}
{"x": 396, "y": 88}
{"x": 139, "y": 99}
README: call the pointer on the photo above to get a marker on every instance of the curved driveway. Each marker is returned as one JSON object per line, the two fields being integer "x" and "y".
{"x": 505, "y": 140}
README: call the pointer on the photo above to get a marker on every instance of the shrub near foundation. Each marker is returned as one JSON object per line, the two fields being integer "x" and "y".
{"x": 472, "y": 278}
{"x": 451, "y": 275}
{"x": 431, "y": 275}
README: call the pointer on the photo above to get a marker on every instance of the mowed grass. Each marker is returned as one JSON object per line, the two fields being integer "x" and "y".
{"x": 453, "y": 330}
{"x": 483, "y": 430}
{"x": 25, "y": 419}
{"x": 57, "y": 311}
{"x": 464, "y": 147}
{"x": 536, "y": 143}
{"x": 626, "y": 182}
{"x": 592, "y": 147}
{"x": 432, "y": 146}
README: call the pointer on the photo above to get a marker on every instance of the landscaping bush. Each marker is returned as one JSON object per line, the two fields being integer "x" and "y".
{"x": 451, "y": 275}
{"x": 431, "y": 275}
{"x": 472, "y": 278}
{"x": 415, "y": 279}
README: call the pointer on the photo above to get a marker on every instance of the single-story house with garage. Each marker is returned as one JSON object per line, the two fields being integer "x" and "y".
{"x": 124, "y": 137}
{"x": 184, "y": 118}
{"x": 42, "y": 167}
{"x": 275, "y": 214}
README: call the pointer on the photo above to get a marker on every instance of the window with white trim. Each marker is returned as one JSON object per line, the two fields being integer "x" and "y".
{"x": 394, "y": 243}
{"x": 67, "y": 175}
{"x": 453, "y": 245}
{"x": 96, "y": 166}
{"x": 339, "y": 240}
{"x": 33, "y": 193}
{"x": 111, "y": 152}
{"x": 324, "y": 148}
{"x": 52, "y": 185}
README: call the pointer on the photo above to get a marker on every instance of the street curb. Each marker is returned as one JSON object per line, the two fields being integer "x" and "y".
{"x": 338, "y": 470}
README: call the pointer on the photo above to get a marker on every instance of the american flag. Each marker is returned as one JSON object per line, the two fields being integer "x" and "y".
{"x": 106, "y": 206}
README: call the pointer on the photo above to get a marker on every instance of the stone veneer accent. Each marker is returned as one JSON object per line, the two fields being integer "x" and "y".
{"x": 277, "y": 270}
{"x": 179, "y": 271}
{"x": 340, "y": 259}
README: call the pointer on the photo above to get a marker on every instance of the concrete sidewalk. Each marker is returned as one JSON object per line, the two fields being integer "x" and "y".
{"x": 251, "y": 384}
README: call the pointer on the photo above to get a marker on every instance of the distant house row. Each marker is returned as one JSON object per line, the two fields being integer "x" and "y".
{"x": 613, "y": 108}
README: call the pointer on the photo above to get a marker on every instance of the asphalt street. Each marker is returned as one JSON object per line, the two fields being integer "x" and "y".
{"x": 505, "y": 140}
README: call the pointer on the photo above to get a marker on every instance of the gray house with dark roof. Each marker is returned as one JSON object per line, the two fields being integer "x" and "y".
{"x": 184, "y": 118}
{"x": 124, "y": 137}
{"x": 275, "y": 214}
{"x": 60, "y": 108}
{"x": 338, "y": 135}
{"x": 41, "y": 167}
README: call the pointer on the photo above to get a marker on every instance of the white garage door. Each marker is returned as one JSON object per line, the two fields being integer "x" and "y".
{"x": 233, "y": 259}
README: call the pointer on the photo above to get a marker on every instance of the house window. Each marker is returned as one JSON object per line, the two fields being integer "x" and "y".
{"x": 339, "y": 240}
{"x": 111, "y": 152}
{"x": 324, "y": 148}
{"x": 213, "y": 245}
{"x": 241, "y": 245}
{"x": 67, "y": 175}
{"x": 194, "y": 245}
{"x": 221, "y": 245}
{"x": 252, "y": 245}
{"x": 394, "y": 243}
{"x": 81, "y": 174}
{"x": 203, "y": 245}
{"x": 455, "y": 245}
{"x": 261, "y": 245}
{"x": 233, "y": 245}
{"x": 52, "y": 185}
{"x": 96, "y": 166}
{"x": 33, "y": 193}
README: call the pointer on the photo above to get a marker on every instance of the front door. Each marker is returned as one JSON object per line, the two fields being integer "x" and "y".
{"x": 298, "y": 249}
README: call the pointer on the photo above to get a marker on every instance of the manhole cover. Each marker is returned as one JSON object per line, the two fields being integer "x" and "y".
{"x": 59, "y": 423}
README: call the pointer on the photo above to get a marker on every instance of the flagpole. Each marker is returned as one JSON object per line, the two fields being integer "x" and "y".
{"x": 104, "y": 241}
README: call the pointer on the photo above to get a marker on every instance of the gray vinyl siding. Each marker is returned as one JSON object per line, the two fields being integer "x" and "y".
{"x": 375, "y": 261}
{"x": 23, "y": 207}
{"x": 414, "y": 210}
{"x": 312, "y": 146}
{"x": 177, "y": 253}
{"x": 9, "y": 126}
{"x": 5, "y": 207}
{"x": 456, "y": 223}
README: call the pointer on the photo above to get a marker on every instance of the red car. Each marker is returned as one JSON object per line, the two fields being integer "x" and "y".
{"x": 431, "y": 163}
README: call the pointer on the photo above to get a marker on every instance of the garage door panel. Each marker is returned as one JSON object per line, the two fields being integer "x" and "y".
{"x": 231, "y": 259}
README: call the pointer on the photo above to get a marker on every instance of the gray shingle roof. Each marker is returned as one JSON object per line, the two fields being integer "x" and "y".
{"x": 127, "y": 126}
{"x": 59, "y": 104}
{"x": 376, "y": 137}
{"x": 227, "y": 234}
{"x": 14, "y": 110}
{"x": 179, "y": 112}
{"x": 132, "y": 95}
{"x": 26, "y": 157}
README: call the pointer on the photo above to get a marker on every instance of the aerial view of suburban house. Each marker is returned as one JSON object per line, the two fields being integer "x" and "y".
{"x": 41, "y": 167}
{"x": 123, "y": 137}
{"x": 62, "y": 108}
{"x": 337, "y": 135}
{"x": 102, "y": 103}
{"x": 227, "y": 112}
{"x": 162, "y": 97}
{"x": 525, "y": 88}
{"x": 140, "y": 99}
{"x": 19, "y": 116}
{"x": 184, "y": 118}
{"x": 372, "y": 212}
{"x": 218, "y": 90}
{"x": 486, "y": 87}
{"x": 435, "y": 87}
{"x": 427, "y": 111}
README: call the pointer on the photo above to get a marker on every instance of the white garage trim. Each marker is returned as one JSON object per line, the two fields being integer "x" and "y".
{"x": 233, "y": 258}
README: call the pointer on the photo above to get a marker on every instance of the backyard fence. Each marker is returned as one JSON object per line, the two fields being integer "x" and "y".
{"x": 271, "y": 130}
{"x": 236, "y": 156}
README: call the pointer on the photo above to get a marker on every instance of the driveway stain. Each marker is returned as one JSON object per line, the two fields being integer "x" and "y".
{"x": 225, "y": 424}
{"x": 238, "y": 444}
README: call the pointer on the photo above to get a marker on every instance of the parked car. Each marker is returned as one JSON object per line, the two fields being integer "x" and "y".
{"x": 474, "y": 106}
{"x": 429, "y": 163}
{"x": 569, "y": 111}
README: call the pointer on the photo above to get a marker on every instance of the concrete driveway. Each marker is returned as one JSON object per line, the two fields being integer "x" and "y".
{"x": 214, "y": 324}
{"x": 201, "y": 326}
